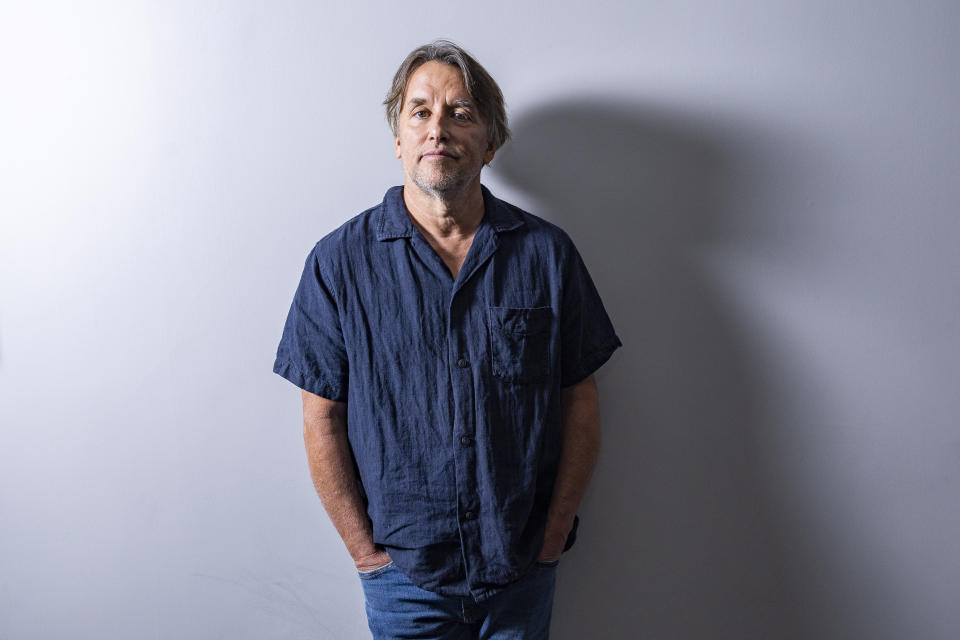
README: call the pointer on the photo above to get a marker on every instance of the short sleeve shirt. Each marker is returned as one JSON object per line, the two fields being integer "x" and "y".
{"x": 452, "y": 384}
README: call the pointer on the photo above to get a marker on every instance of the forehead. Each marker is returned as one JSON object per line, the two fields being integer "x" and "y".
{"x": 436, "y": 79}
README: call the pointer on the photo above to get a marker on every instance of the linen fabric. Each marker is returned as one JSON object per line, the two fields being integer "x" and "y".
{"x": 452, "y": 384}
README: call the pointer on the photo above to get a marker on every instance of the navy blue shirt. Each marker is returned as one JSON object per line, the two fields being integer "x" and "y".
{"x": 452, "y": 384}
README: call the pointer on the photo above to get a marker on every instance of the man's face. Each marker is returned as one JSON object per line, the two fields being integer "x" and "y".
{"x": 442, "y": 142}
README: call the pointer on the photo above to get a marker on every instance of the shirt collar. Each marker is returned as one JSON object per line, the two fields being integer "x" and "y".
{"x": 395, "y": 223}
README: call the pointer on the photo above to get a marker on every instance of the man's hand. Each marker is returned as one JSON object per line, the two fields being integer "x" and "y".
{"x": 373, "y": 560}
{"x": 580, "y": 413}
{"x": 553, "y": 542}
{"x": 331, "y": 466}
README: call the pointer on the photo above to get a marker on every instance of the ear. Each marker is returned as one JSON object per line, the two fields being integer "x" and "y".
{"x": 488, "y": 156}
{"x": 396, "y": 142}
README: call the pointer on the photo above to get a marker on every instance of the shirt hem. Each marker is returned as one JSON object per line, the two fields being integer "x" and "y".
{"x": 313, "y": 384}
{"x": 593, "y": 362}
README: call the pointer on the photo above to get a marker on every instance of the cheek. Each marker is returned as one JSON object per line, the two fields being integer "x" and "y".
{"x": 405, "y": 145}
{"x": 481, "y": 144}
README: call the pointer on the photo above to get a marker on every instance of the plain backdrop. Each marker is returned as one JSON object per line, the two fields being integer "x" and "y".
{"x": 764, "y": 192}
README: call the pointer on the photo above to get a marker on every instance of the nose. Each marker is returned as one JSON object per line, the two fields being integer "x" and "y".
{"x": 437, "y": 130}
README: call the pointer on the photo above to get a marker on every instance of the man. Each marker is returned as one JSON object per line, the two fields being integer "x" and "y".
{"x": 445, "y": 342}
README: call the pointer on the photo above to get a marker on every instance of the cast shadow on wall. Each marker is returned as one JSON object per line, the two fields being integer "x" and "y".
{"x": 680, "y": 536}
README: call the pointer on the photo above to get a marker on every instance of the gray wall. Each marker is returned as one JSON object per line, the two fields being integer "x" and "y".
{"x": 764, "y": 192}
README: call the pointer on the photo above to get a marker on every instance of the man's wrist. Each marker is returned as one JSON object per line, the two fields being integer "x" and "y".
{"x": 560, "y": 522}
{"x": 555, "y": 537}
{"x": 365, "y": 550}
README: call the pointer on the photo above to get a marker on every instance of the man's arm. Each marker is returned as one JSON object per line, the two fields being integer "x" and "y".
{"x": 331, "y": 467}
{"x": 580, "y": 410}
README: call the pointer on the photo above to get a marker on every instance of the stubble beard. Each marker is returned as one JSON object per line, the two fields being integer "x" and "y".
{"x": 448, "y": 183}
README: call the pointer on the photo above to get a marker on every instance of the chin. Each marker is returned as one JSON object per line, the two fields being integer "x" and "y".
{"x": 442, "y": 183}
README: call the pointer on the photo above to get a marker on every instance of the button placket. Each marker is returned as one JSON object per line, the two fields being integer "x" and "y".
{"x": 464, "y": 456}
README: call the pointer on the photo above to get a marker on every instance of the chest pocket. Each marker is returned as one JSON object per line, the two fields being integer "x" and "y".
{"x": 520, "y": 343}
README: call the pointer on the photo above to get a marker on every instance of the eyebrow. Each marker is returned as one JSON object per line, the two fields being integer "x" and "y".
{"x": 460, "y": 102}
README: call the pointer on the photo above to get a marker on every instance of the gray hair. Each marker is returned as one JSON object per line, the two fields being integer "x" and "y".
{"x": 483, "y": 89}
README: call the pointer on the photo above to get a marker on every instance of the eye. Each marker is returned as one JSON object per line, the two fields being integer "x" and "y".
{"x": 419, "y": 112}
{"x": 459, "y": 115}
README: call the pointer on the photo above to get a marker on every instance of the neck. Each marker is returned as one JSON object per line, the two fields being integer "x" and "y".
{"x": 445, "y": 215}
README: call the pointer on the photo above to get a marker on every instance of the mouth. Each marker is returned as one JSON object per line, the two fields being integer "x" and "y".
{"x": 439, "y": 154}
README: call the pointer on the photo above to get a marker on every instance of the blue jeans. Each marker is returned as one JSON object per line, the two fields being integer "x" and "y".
{"x": 397, "y": 608}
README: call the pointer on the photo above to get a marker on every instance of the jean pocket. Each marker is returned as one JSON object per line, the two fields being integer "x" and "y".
{"x": 375, "y": 572}
{"x": 520, "y": 343}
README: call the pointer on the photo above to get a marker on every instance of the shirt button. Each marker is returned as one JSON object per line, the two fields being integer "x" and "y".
{"x": 469, "y": 515}
{"x": 466, "y": 439}
{"x": 463, "y": 362}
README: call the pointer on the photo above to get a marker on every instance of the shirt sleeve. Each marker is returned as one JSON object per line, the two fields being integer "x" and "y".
{"x": 312, "y": 353}
{"x": 587, "y": 337}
